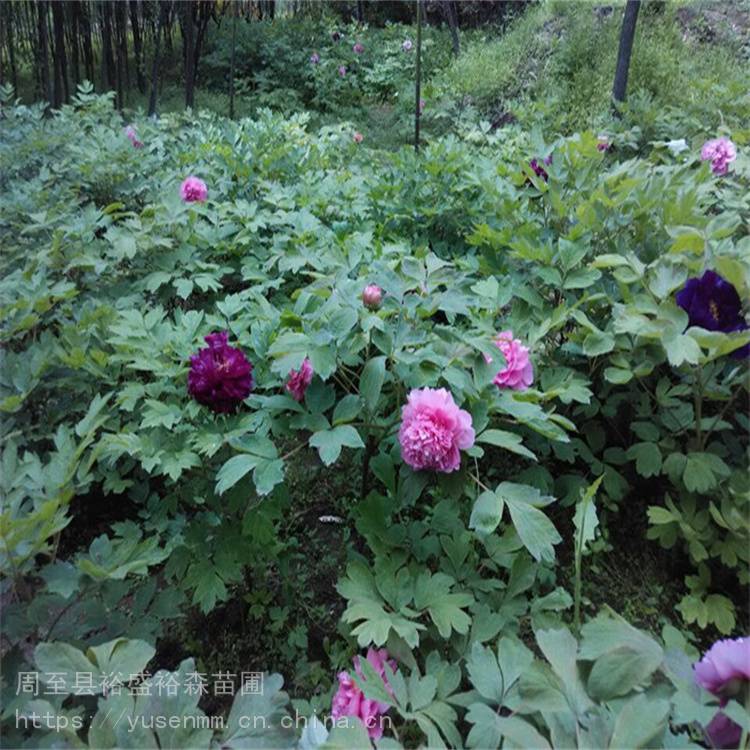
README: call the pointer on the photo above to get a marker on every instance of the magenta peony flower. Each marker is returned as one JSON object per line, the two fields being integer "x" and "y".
{"x": 358, "y": 137}
{"x": 342, "y": 70}
{"x": 407, "y": 45}
{"x": 518, "y": 372}
{"x": 724, "y": 671}
{"x": 358, "y": 48}
{"x": 220, "y": 375}
{"x": 351, "y": 701}
{"x": 299, "y": 380}
{"x": 193, "y": 190}
{"x": 603, "y": 144}
{"x": 372, "y": 296}
{"x": 433, "y": 430}
{"x": 132, "y": 136}
{"x": 336, "y": 35}
{"x": 315, "y": 58}
{"x": 539, "y": 170}
{"x": 720, "y": 152}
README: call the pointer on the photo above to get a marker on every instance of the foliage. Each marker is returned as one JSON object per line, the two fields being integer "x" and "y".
{"x": 110, "y": 283}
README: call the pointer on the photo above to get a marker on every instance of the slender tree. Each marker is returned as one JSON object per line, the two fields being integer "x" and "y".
{"x": 135, "y": 25}
{"x": 188, "y": 11}
{"x": 232, "y": 61}
{"x": 109, "y": 81}
{"x": 43, "y": 47}
{"x": 627, "y": 34}
{"x": 122, "y": 52}
{"x": 84, "y": 21}
{"x": 160, "y": 24}
{"x": 451, "y": 16}
{"x": 60, "y": 91}
{"x": 418, "y": 77}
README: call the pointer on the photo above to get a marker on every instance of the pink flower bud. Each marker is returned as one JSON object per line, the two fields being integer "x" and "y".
{"x": 372, "y": 296}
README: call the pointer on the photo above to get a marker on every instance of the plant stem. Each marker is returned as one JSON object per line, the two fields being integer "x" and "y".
{"x": 698, "y": 406}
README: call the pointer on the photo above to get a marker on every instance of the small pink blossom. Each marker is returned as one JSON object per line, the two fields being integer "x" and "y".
{"x": 358, "y": 137}
{"x": 342, "y": 70}
{"x": 518, "y": 372}
{"x": 132, "y": 136}
{"x": 603, "y": 143}
{"x": 407, "y": 45}
{"x": 193, "y": 190}
{"x": 298, "y": 380}
{"x": 372, "y": 296}
{"x": 315, "y": 58}
{"x": 434, "y": 430}
{"x": 351, "y": 701}
{"x": 422, "y": 104}
{"x": 720, "y": 152}
{"x": 358, "y": 48}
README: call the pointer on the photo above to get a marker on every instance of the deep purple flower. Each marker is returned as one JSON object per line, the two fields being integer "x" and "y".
{"x": 711, "y": 302}
{"x": 220, "y": 375}
{"x": 539, "y": 170}
{"x": 724, "y": 671}
{"x": 336, "y": 35}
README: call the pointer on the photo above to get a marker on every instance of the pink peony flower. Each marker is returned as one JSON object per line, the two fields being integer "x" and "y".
{"x": 351, "y": 701}
{"x": 358, "y": 48}
{"x": 407, "y": 45}
{"x": 220, "y": 375}
{"x": 315, "y": 58}
{"x": 518, "y": 372}
{"x": 372, "y": 296}
{"x": 433, "y": 430}
{"x": 299, "y": 380}
{"x": 358, "y": 137}
{"x": 342, "y": 70}
{"x": 720, "y": 152}
{"x": 132, "y": 136}
{"x": 603, "y": 144}
{"x": 422, "y": 104}
{"x": 724, "y": 671}
{"x": 193, "y": 190}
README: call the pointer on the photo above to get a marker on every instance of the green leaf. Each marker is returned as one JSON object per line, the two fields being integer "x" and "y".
{"x": 371, "y": 381}
{"x": 485, "y": 674}
{"x": 647, "y": 458}
{"x": 640, "y": 721}
{"x": 598, "y": 342}
{"x": 535, "y": 530}
{"x": 703, "y": 471}
{"x": 330, "y": 442}
{"x": 487, "y": 512}
{"x": 508, "y": 440}
{"x": 233, "y": 470}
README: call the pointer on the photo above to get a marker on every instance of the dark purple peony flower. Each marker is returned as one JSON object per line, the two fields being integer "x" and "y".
{"x": 539, "y": 170}
{"x": 220, "y": 375}
{"x": 711, "y": 302}
{"x": 336, "y": 35}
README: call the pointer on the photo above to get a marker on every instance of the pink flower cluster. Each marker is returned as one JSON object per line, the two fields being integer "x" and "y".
{"x": 193, "y": 190}
{"x": 434, "y": 430}
{"x": 298, "y": 380}
{"x": 351, "y": 701}
{"x": 358, "y": 137}
{"x": 720, "y": 152}
{"x": 358, "y": 48}
{"x": 724, "y": 671}
{"x": 132, "y": 135}
{"x": 518, "y": 372}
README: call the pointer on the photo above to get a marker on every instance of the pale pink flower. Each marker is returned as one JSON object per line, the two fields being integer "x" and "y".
{"x": 724, "y": 671}
{"x": 433, "y": 430}
{"x": 132, "y": 136}
{"x": 315, "y": 58}
{"x": 720, "y": 152}
{"x": 518, "y": 372}
{"x": 407, "y": 45}
{"x": 298, "y": 380}
{"x": 372, "y": 296}
{"x": 351, "y": 701}
{"x": 342, "y": 70}
{"x": 193, "y": 190}
{"x": 422, "y": 104}
{"x": 358, "y": 48}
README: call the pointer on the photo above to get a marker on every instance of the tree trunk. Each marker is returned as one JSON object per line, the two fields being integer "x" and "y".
{"x": 451, "y": 15}
{"x": 163, "y": 10}
{"x": 74, "y": 38}
{"x": 231, "y": 62}
{"x": 88, "y": 47}
{"x": 121, "y": 22}
{"x": 137, "y": 46}
{"x": 627, "y": 33}
{"x": 188, "y": 10}
{"x": 9, "y": 40}
{"x": 108, "y": 60}
{"x": 60, "y": 91}
{"x": 43, "y": 62}
{"x": 418, "y": 81}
